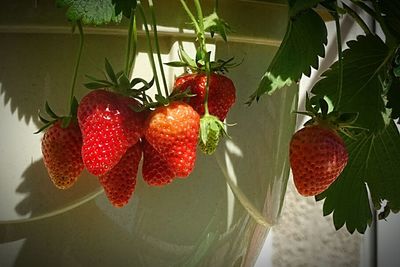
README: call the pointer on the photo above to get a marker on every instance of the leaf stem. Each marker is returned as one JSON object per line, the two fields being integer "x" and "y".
{"x": 191, "y": 16}
{"x": 134, "y": 45}
{"x": 200, "y": 32}
{"x": 77, "y": 63}
{"x": 150, "y": 47}
{"x": 208, "y": 73}
{"x": 357, "y": 18}
{"x": 340, "y": 58}
{"x": 367, "y": 9}
{"x": 129, "y": 45}
{"x": 153, "y": 16}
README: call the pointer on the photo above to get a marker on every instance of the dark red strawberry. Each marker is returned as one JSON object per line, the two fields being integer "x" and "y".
{"x": 317, "y": 157}
{"x": 173, "y": 131}
{"x": 109, "y": 127}
{"x": 119, "y": 183}
{"x": 61, "y": 149}
{"x": 222, "y": 92}
{"x": 155, "y": 169}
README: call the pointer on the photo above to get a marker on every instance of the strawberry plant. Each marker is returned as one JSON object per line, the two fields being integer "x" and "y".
{"x": 212, "y": 94}
{"x": 364, "y": 82}
{"x": 346, "y": 154}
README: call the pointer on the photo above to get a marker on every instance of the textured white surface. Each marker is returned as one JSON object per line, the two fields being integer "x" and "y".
{"x": 304, "y": 237}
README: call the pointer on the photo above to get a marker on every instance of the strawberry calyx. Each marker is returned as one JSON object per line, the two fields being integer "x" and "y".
{"x": 324, "y": 115}
{"x": 119, "y": 82}
{"x": 52, "y": 117}
{"x": 198, "y": 65}
{"x": 211, "y": 130}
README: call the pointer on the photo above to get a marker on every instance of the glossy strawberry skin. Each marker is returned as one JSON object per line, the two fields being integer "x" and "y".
{"x": 317, "y": 157}
{"x": 173, "y": 132}
{"x": 61, "y": 149}
{"x": 222, "y": 92}
{"x": 109, "y": 127}
{"x": 119, "y": 183}
{"x": 155, "y": 170}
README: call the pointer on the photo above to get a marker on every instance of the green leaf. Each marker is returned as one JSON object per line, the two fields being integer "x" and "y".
{"x": 96, "y": 85}
{"x": 49, "y": 111}
{"x": 186, "y": 58}
{"x": 373, "y": 163}
{"x": 123, "y": 83}
{"x": 94, "y": 12}
{"x": 301, "y": 5}
{"x": 391, "y": 11}
{"x": 362, "y": 89}
{"x": 214, "y": 24}
{"x": 393, "y": 99}
{"x": 124, "y": 6}
{"x": 177, "y": 64}
{"x": 298, "y": 52}
{"x": 110, "y": 72}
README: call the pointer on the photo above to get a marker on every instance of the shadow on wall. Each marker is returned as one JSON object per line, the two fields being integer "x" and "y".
{"x": 35, "y": 68}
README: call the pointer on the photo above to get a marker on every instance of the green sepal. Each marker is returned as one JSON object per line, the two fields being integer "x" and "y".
{"x": 110, "y": 72}
{"x": 146, "y": 85}
{"x": 347, "y": 118}
{"x": 74, "y": 107}
{"x": 44, "y": 127}
{"x": 65, "y": 121}
{"x": 123, "y": 83}
{"x": 211, "y": 130}
{"x": 96, "y": 85}
{"x": 100, "y": 81}
{"x": 186, "y": 58}
{"x": 161, "y": 99}
{"x": 49, "y": 111}
{"x": 177, "y": 64}
{"x": 214, "y": 24}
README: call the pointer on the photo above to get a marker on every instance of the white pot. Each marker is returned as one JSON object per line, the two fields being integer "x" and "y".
{"x": 219, "y": 216}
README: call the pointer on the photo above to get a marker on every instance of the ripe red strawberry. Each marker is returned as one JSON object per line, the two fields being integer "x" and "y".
{"x": 155, "y": 169}
{"x": 317, "y": 157}
{"x": 221, "y": 96}
{"x": 109, "y": 127}
{"x": 61, "y": 149}
{"x": 119, "y": 183}
{"x": 173, "y": 131}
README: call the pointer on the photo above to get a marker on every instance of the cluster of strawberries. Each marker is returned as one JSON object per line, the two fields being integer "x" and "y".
{"x": 110, "y": 136}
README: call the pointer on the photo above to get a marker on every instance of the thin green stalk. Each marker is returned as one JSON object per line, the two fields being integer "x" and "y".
{"x": 153, "y": 16}
{"x": 77, "y": 63}
{"x": 134, "y": 45}
{"x": 357, "y": 18}
{"x": 150, "y": 47}
{"x": 208, "y": 73}
{"x": 340, "y": 58}
{"x": 191, "y": 16}
{"x": 216, "y": 6}
{"x": 367, "y": 9}
{"x": 200, "y": 33}
{"x": 129, "y": 46}
{"x": 202, "y": 41}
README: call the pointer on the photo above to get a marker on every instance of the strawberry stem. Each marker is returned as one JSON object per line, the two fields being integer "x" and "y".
{"x": 131, "y": 47}
{"x": 200, "y": 33}
{"x": 153, "y": 17}
{"x": 208, "y": 73}
{"x": 340, "y": 58}
{"x": 150, "y": 47}
{"x": 202, "y": 43}
{"x": 77, "y": 63}
{"x": 191, "y": 16}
